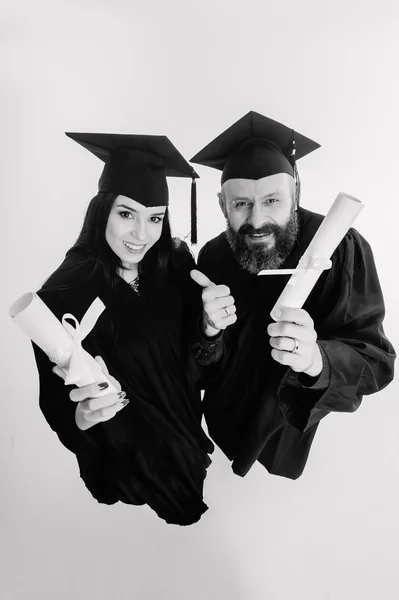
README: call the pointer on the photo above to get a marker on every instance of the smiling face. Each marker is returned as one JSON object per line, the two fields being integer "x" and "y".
{"x": 261, "y": 218}
{"x": 132, "y": 229}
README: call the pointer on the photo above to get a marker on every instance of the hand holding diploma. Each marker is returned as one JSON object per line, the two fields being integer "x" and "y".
{"x": 99, "y": 395}
{"x": 293, "y": 337}
{"x": 91, "y": 408}
{"x": 219, "y": 310}
{"x": 294, "y": 341}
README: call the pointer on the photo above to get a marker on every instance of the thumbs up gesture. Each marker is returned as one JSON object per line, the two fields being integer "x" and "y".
{"x": 219, "y": 310}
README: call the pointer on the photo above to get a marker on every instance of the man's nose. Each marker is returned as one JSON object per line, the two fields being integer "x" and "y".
{"x": 256, "y": 217}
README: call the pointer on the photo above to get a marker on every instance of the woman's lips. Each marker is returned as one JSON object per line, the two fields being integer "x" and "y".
{"x": 134, "y": 248}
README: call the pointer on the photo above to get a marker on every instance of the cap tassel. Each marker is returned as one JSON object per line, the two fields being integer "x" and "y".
{"x": 296, "y": 174}
{"x": 293, "y": 149}
{"x": 193, "y": 211}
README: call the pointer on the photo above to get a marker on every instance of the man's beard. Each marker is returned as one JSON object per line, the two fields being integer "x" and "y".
{"x": 259, "y": 256}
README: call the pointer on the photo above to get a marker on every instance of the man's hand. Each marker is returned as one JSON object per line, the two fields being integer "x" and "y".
{"x": 293, "y": 340}
{"x": 90, "y": 408}
{"x": 219, "y": 310}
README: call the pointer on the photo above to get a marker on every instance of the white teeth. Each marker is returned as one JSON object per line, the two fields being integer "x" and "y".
{"x": 133, "y": 246}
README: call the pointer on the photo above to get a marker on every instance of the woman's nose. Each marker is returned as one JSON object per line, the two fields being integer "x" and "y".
{"x": 139, "y": 231}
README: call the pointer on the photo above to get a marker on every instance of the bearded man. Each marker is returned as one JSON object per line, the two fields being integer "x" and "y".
{"x": 273, "y": 379}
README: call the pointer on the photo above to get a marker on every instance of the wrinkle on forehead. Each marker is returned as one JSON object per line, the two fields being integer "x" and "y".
{"x": 281, "y": 183}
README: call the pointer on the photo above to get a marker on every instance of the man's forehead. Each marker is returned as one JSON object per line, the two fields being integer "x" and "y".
{"x": 281, "y": 183}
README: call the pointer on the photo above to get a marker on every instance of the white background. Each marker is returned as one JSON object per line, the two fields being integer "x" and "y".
{"x": 189, "y": 70}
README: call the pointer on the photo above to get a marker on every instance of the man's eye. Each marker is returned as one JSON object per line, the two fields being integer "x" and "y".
{"x": 271, "y": 200}
{"x": 241, "y": 204}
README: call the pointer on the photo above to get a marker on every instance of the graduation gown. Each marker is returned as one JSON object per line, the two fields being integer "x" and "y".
{"x": 154, "y": 450}
{"x": 258, "y": 409}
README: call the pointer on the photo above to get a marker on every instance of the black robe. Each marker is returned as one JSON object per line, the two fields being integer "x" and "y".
{"x": 154, "y": 450}
{"x": 258, "y": 409}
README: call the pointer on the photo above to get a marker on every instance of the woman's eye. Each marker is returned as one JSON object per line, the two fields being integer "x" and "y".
{"x": 125, "y": 214}
{"x": 156, "y": 219}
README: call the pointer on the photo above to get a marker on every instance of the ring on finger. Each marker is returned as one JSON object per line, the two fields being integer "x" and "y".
{"x": 296, "y": 346}
{"x": 226, "y": 310}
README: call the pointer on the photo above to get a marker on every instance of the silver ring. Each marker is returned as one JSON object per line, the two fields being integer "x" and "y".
{"x": 226, "y": 310}
{"x": 296, "y": 346}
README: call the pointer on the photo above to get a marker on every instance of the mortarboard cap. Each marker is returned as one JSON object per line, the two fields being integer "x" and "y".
{"x": 255, "y": 147}
{"x": 136, "y": 166}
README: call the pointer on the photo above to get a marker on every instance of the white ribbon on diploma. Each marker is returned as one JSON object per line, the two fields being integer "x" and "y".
{"x": 78, "y": 334}
{"x": 316, "y": 264}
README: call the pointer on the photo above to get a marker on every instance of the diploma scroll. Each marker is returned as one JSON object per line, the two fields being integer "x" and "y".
{"x": 316, "y": 258}
{"x": 62, "y": 341}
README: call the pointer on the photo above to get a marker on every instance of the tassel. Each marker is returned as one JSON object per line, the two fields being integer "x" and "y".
{"x": 193, "y": 211}
{"x": 293, "y": 149}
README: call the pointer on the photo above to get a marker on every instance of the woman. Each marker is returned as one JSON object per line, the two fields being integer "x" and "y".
{"x": 152, "y": 449}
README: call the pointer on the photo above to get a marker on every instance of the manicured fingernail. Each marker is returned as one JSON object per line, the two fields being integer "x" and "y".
{"x": 103, "y": 385}
{"x": 125, "y": 402}
{"x": 121, "y": 395}
{"x": 277, "y": 313}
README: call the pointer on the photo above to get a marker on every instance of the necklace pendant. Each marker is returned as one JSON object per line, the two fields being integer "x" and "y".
{"x": 134, "y": 284}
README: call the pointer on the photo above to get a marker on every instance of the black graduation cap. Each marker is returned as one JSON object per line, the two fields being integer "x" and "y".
{"x": 255, "y": 147}
{"x": 136, "y": 166}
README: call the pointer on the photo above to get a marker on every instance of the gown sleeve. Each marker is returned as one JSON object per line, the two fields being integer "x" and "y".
{"x": 321, "y": 382}
{"x": 351, "y": 336}
{"x": 59, "y": 412}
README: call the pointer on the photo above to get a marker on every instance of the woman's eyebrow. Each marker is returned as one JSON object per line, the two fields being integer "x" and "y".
{"x": 127, "y": 207}
{"x": 159, "y": 214}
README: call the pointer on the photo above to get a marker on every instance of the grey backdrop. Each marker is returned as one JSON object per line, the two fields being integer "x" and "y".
{"x": 189, "y": 70}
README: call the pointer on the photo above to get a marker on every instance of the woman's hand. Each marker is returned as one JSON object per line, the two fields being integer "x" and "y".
{"x": 92, "y": 409}
{"x": 219, "y": 310}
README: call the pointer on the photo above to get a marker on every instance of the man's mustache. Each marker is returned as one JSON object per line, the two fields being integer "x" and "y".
{"x": 247, "y": 229}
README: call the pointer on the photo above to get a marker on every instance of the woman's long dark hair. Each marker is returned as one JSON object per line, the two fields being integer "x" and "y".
{"x": 91, "y": 256}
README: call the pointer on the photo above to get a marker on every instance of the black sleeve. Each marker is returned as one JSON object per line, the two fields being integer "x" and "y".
{"x": 59, "y": 412}
{"x": 207, "y": 351}
{"x": 360, "y": 356}
{"x": 321, "y": 382}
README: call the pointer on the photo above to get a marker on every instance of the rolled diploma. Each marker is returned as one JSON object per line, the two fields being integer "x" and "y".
{"x": 60, "y": 340}
{"x": 332, "y": 230}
